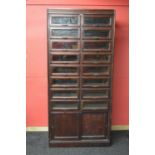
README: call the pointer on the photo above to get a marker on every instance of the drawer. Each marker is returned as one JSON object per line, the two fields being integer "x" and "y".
{"x": 95, "y": 104}
{"x": 96, "y": 45}
{"x": 96, "y": 70}
{"x": 64, "y": 69}
{"x": 96, "y": 58}
{"x": 96, "y": 20}
{"x": 96, "y": 93}
{"x": 64, "y": 105}
{"x": 96, "y": 33}
{"x": 96, "y": 82}
{"x": 67, "y": 93}
{"x": 63, "y": 57}
{"x": 64, "y": 45}
{"x": 64, "y": 33}
{"x": 64, "y": 20}
{"x": 64, "y": 81}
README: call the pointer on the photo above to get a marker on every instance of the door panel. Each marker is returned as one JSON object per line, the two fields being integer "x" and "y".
{"x": 64, "y": 125}
{"x": 94, "y": 125}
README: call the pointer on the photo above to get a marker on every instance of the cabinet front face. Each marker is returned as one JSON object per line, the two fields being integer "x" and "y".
{"x": 80, "y": 66}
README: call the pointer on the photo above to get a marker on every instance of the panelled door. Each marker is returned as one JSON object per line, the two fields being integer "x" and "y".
{"x": 80, "y": 65}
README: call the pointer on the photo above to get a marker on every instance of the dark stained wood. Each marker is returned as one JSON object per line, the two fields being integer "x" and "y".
{"x": 80, "y": 67}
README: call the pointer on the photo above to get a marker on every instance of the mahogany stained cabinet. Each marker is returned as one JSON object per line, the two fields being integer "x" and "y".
{"x": 80, "y": 65}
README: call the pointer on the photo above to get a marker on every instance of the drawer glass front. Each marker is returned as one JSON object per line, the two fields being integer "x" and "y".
{"x": 64, "y": 45}
{"x": 64, "y": 82}
{"x": 97, "y": 58}
{"x": 95, "y": 33}
{"x": 64, "y": 105}
{"x": 65, "y": 70}
{"x": 65, "y": 58}
{"x": 94, "y": 20}
{"x": 64, "y": 20}
{"x": 64, "y": 94}
{"x": 96, "y": 45}
{"x": 95, "y": 104}
{"x": 97, "y": 94}
{"x": 96, "y": 70}
{"x": 64, "y": 33}
{"x": 96, "y": 82}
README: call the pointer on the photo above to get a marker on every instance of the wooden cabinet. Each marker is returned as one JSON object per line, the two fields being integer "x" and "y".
{"x": 80, "y": 66}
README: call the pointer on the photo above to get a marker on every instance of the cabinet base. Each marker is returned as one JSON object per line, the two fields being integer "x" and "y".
{"x": 79, "y": 143}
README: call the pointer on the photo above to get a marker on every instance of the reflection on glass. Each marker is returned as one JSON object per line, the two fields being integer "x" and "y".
{"x": 97, "y": 20}
{"x": 64, "y": 105}
{"x": 65, "y": 32}
{"x": 96, "y": 45}
{"x": 64, "y": 69}
{"x": 96, "y": 58}
{"x": 95, "y": 104}
{"x": 96, "y": 94}
{"x": 64, "y": 20}
{"x": 96, "y": 33}
{"x": 95, "y": 82}
{"x": 96, "y": 69}
{"x": 64, "y": 45}
{"x": 64, "y": 82}
{"x": 64, "y": 94}
{"x": 65, "y": 57}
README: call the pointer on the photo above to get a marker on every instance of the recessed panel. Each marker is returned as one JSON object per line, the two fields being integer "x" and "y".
{"x": 94, "y": 125}
{"x": 64, "y": 126}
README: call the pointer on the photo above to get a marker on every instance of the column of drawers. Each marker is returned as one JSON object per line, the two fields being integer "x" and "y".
{"x": 96, "y": 73}
{"x": 64, "y": 58}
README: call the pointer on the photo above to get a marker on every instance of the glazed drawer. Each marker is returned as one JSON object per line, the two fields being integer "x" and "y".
{"x": 64, "y": 57}
{"x": 96, "y": 33}
{"x": 64, "y": 45}
{"x": 60, "y": 69}
{"x": 58, "y": 81}
{"x": 96, "y": 82}
{"x": 96, "y": 70}
{"x": 97, "y": 20}
{"x": 61, "y": 93}
{"x": 64, "y": 19}
{"x": 96, "y": 45}
{"x": 94, "y": 58}
{"x": 64, "y": 104}
{"x": 96, "y": 93}
{"x": 64, "y": 32}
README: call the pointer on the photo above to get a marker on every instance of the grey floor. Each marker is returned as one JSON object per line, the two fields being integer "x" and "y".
{"x": 37, "y": 144}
